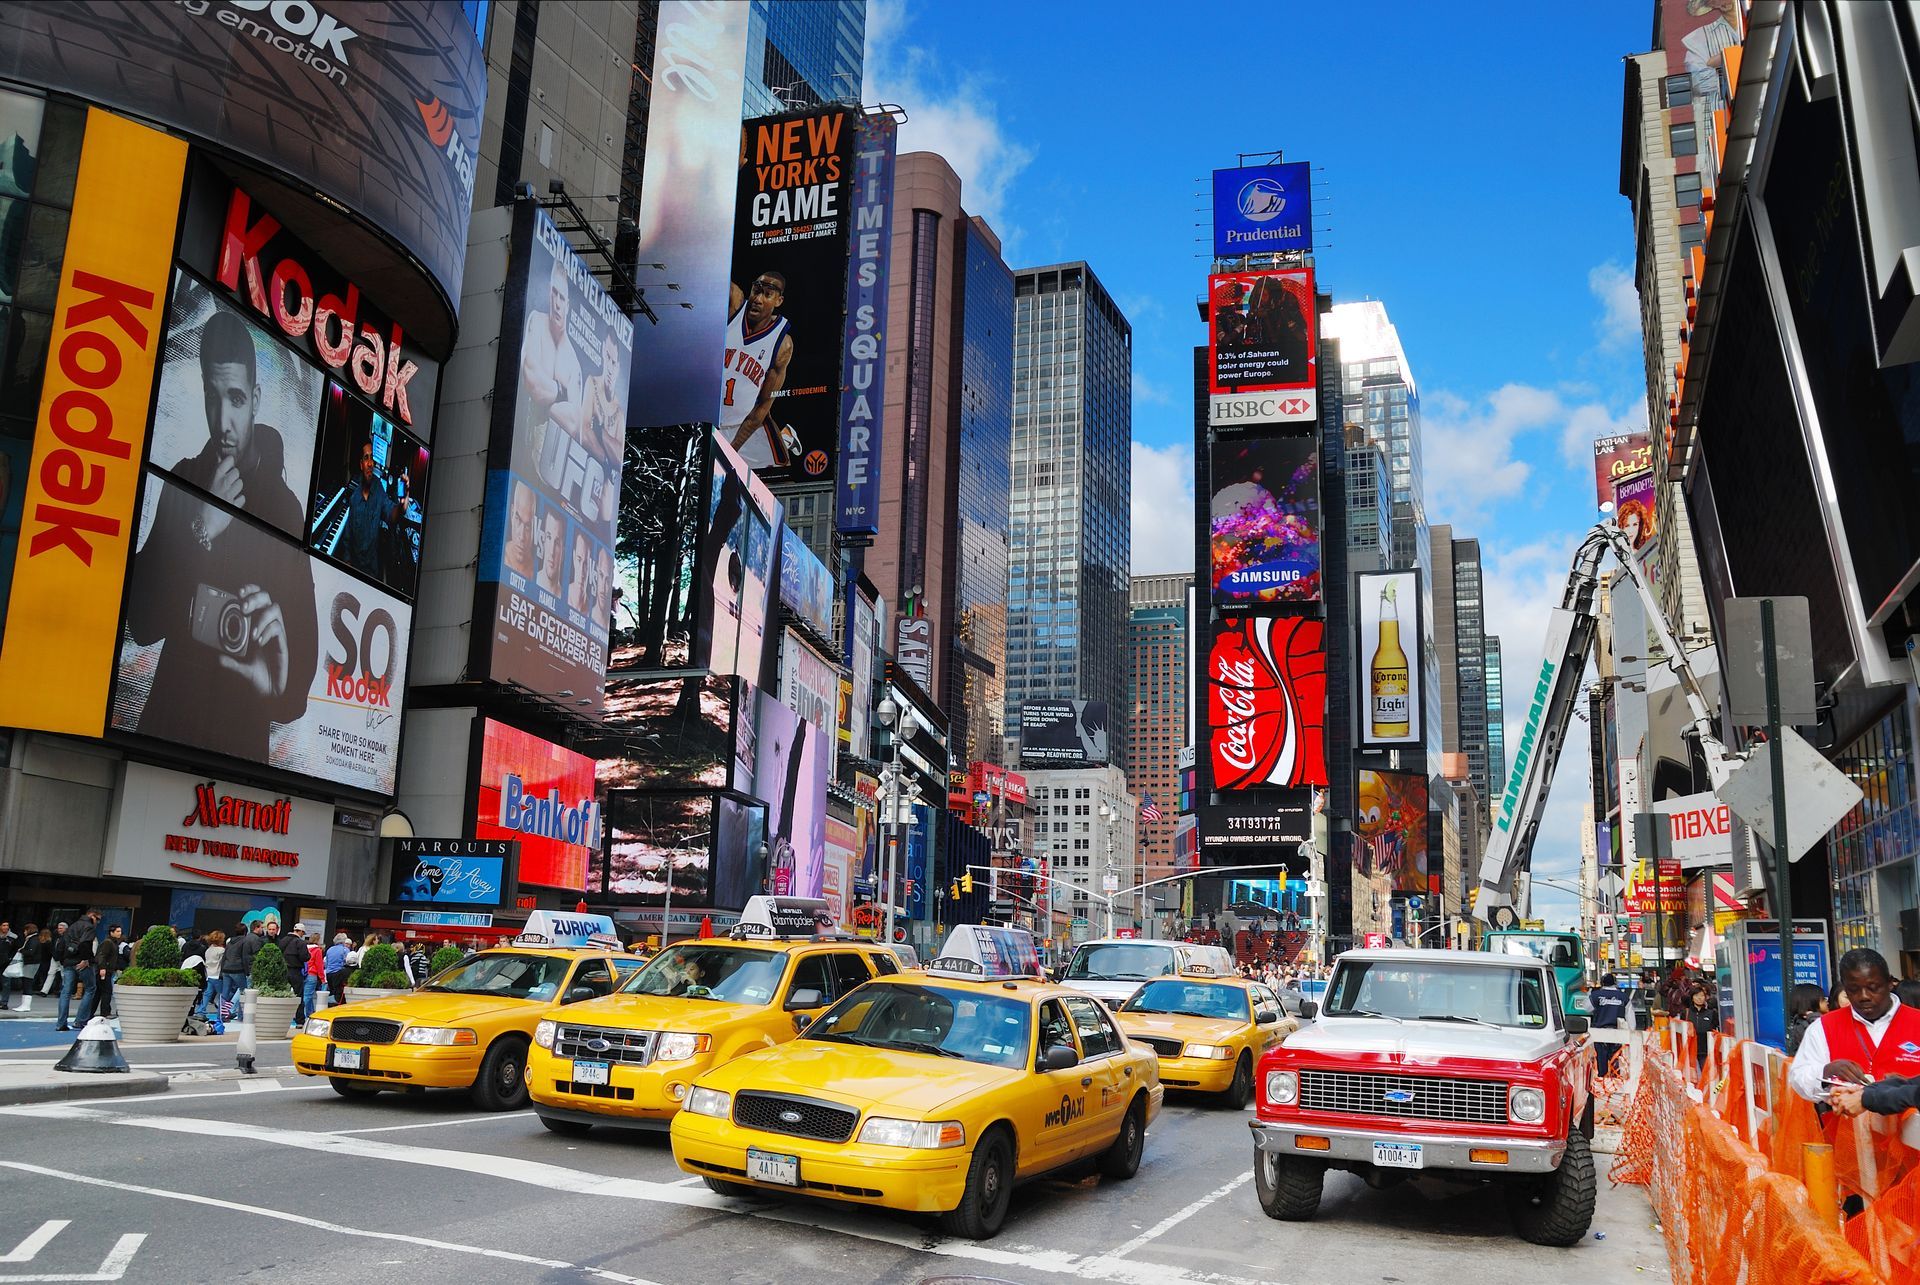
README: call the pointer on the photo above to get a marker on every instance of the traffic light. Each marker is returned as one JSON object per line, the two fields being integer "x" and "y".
{"x": 966, "y": 882}
{"x": 953, "y": 890}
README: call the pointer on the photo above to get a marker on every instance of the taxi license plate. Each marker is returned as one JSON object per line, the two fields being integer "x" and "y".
{"x": 1399, "y": 1155}
{"x": 589, "y": 1072}
{"x": 348, "y": 1059}
{"x": 763, "y": 1166}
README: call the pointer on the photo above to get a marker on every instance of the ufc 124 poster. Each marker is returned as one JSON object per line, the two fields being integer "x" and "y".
{"x": 1267, "y": 702}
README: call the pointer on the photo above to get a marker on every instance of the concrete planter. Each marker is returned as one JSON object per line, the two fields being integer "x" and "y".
{"x": 357, "y": 993}
{"x": 273, "y": 1015}
{"x": 152, "y": 1014}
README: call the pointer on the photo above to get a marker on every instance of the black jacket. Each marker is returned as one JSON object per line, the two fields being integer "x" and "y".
{"x": 293, "y": 948}
{"x": 79, "y": 941}
{"x": 111, "y": 955}
{"x": 238, "y": 961}
{"x": 1891, "y": 1097}
{"x": 9, "y": 947}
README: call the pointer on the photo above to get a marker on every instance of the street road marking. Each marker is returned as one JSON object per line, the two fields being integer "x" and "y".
{"x": 26, "y": 1249}
{"x": 316, "y": 1223}
{"x": 112, "y": 1267}
{"x": 433, "y": 1124}
{"x": 856, "y": 1222}
{"x": 1173, "y": 1220}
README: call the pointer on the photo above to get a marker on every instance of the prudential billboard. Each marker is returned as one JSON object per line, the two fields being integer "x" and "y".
{"x": 1262, "y": 209}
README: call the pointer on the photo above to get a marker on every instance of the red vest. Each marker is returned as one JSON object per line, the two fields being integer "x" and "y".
{"x": 1899, "y": 1051}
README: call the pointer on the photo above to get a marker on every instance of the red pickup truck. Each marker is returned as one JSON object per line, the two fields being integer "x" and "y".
{"x": 1451, "y": 1064}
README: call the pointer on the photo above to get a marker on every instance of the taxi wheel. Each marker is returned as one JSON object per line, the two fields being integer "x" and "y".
{"x": 1240, "y": 1092}
{"x": 1122, "y": 1159}
{"x": 352, "y": 1088}
{"x": 983, "y": 1205}
{"x": 565, "y": 1128}
{"x": 1288, "y": 1187}
{"x": 721, "y": 1187}
{"x": 502, "y": 1083}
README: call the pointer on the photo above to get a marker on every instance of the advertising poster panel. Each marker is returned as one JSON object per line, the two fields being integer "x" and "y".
{"x": 810, "y": 687}
{"x": 790, "y": 777}
{"x": 1390, "y": 830}
{"x": 543, "y": 795}
{"x": 1263, "y": 360}
{"x": 654, "y": 837}
{"x": 780, "y": 383}
{"x": 1069, "y": 733}
{"x": 1270, "y": 825}
{"x": 1634, "y": 505}
{"x": 663, "y": 507}
{"x": 1265, "y": 520}
{"x": 806, "y": 586}
{"x": 553, "y": 485}
{"x": 452, "y": 872}
{"x": 735, "y": 568}
{"x": 668, "y": 732}
{"x": 375, "y": 106}
{"x": 1389, "y": 699}
{"x": 1267, "y": 702}
{"x": 71, "y": 558}
{"x": 1616, "y": 457}
{"x": 836, "y": 879}
{"x": 693, "y": 123}
{"x": 863, "y": 366}
{"x": 1262, "y": 209}
{"x": 196, "y": 830}
{"x": 369, "y": 493}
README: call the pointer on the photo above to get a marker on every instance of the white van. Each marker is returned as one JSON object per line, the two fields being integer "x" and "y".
{"x": 1113, "y": 968}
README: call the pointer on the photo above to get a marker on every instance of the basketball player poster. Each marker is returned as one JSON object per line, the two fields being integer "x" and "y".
{"x": 780, "y": 377}
{"x": 1267, "y": 702}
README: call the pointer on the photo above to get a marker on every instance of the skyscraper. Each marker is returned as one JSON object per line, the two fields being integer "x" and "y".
{"x": 1369, "y": 493}
{"x": 1460, "y": 646}
{"x": 1496, "y": 721}
{"x": 1158, "y": 712}
{"x": 1068, "y": 575}
{"x": 1379, "y": 393}
{"x": 802, "y": 55}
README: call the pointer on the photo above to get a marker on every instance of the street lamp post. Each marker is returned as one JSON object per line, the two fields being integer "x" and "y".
{"x": 1109, "y": 815}
{"x": 889, "y": 715}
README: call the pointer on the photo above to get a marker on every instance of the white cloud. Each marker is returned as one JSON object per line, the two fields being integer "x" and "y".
{"x": 950, "y": 113}
{"x": 1162, "y": 508}
{"x": 1619, "y": 323}
{"x": 1590, "y": 421}
{"x": 1473, "y": 450}
{"x": 1148, "y": 393}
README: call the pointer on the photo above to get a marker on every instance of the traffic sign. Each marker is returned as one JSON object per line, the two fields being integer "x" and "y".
{"x": 1818, "y": 794}
{"x": 1109, "y": 882}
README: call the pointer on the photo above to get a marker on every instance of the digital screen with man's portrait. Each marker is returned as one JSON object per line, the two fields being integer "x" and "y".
{"x": 369, "y": 501}
{"x": 553, "y": 492}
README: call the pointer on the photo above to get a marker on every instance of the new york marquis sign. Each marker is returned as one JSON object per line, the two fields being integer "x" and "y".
{"x": 1262, "y": 209}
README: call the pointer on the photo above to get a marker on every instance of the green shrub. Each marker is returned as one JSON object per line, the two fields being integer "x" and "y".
{"x": 393, "y": 981}
{"x": 156, "y": 961}
{"x": 377, "y": 961}
{"x": 269, "y": 975}
{"x": 445, "y": 957}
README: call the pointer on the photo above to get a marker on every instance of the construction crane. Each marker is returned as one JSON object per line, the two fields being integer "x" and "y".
{"x": 1550, "y": 705}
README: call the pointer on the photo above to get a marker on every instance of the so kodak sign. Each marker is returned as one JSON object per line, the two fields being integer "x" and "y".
{"x": 169, "y": 827}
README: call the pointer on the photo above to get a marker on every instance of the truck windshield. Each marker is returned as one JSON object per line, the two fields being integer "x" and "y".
{"x": 1557, "y": 951}
{"x": 1121, "y": 961}
{"x": 1439, "y": 992}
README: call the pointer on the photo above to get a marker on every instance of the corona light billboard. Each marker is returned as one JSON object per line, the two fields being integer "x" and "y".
{"x": 1267, "y": 702}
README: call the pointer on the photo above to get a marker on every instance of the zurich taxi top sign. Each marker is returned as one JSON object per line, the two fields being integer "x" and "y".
{"x": 1262, "y": 209}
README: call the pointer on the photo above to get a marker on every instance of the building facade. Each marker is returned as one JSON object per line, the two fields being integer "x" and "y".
{"x": 1158, "y": 709}
{"x": 1380, "y": 395}
{"x": 804, "y": 55}
{"x": 1069, "y": 562}
{"x": 1080, "y": 848}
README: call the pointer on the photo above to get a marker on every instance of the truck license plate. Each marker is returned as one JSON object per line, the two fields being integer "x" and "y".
{"x": 1399, "y": 1155}
{"x": 589, "y": 1072}
{"x": 763, "y": 1166}
{"x": 347, "y": 1059}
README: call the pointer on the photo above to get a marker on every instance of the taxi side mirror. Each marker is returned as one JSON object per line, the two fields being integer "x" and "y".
{"x": 1059, "y": 1057}
{"x": 1308, "y": 1010}
{"x": 578, "y": 993}
{"x": 1266, "y": 1015}
{"x": 1577, "y": 1025}
{"x": 806, "y": 997}
{"x": 801, "y": 1021}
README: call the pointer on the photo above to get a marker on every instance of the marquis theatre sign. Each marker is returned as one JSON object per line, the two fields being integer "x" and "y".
{"x": 174, "y": 828}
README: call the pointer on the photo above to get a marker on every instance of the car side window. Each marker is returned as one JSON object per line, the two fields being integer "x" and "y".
{"x": 884, "y": 963}
{"x": 849, "y": 971}
{"x": 1097, "y": 1038}
{"x": 812, "y": 973}
{"x": 593, "y": 973}
{"x": 1054, "y": 1026}
{"x": 1264, "y": 999}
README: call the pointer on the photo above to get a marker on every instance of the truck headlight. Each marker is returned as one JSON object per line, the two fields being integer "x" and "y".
{"x": 438, "y": 1035}
{"x": 543, "y": 1033}
{"x": 1283, "y": 1087}
{"x": 710, "y": 1102}
{"x": 879, "y": 1131}
{"x": 1527, "y": 1106}
{"x": 318, "y": 1027}
{"x": 1217, "y": 1052}
{"x": 677, "y": 1046}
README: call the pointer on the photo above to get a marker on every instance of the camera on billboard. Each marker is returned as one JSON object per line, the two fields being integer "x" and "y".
{"x": 218, "y": 622}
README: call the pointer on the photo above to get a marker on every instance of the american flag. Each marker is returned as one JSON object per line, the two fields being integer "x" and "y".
{"x": 1149, "y": 810}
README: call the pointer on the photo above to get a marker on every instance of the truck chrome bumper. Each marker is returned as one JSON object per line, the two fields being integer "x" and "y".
{"x": 1439, "y": 1151}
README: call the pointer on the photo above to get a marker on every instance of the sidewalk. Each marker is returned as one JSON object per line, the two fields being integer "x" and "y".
{"x": 23, "y": 1084}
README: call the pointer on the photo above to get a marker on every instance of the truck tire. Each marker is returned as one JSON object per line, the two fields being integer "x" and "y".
{"x": 1288, "y": 1187}
{"x": 1557, "y": 1208}
{"x": 989, "y": 1190}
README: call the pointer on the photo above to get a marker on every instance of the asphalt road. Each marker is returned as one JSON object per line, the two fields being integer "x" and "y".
{"x": 242, "y": 1180}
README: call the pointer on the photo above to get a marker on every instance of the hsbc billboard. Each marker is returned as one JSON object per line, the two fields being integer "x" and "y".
{"x": 1263, "y": 350}
{"x": 1267, "y": 702}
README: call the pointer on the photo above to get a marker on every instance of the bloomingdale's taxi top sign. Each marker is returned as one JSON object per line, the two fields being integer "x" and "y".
{"x": 182, "y": 829}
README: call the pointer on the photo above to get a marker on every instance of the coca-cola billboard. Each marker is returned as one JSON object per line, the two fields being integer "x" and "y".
{"x": 1267, "y": 702}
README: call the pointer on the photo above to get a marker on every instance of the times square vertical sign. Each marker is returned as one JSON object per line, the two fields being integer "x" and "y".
{"x": 864, "y": 338}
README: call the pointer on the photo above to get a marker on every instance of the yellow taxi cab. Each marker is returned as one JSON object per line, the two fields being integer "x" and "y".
{"x": 931, "y": 1091}
{"x": 469, "y": 1026}
{"x": 628, "y": 1060}
{"x": 1208, "y": 1030}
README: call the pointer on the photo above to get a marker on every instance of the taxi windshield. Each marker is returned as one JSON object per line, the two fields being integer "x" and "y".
{"x": 1474, "y": 993}
{"x": 1191, "y": 999}
{"x": 992, "y": 1029}
{"x": 1121, "y": 961}
{"x": 727, "y": 974}
{"x": 505, "y": 973}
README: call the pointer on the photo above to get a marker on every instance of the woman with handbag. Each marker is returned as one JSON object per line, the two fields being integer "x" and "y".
{"x": 13, "y": 967}
{"x": 216, "y": 989}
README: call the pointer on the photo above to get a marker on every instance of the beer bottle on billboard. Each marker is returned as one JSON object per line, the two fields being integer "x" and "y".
{"x": 1389, "y": 709}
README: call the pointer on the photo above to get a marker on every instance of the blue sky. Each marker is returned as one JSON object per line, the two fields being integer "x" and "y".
{"x": 1467, "y": 164}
